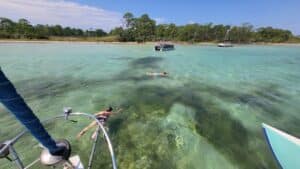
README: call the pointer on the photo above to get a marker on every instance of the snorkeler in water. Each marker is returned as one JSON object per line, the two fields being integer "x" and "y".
{"x": 161, "y": 74}
{"x": 102, "y": 117}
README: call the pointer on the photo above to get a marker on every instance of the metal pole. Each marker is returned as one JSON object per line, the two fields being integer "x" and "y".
{"x": 15, "y": 103}
{"x": 12, "y": 141}
{"x": 32, "y": 163}
{"x": 93, "y": 149}
{"x": 110, "y": 147}
{"x": 16, "y": 158}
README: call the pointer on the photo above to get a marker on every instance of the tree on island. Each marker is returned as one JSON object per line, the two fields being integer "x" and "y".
{"x": 143, "y": 28}
{"x": 24, "y": 30}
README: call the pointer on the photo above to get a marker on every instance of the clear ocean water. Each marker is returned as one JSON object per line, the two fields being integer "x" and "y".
{"x": 206, "y": 114}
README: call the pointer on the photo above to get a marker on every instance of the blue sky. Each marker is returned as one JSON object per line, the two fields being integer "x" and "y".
{"x": 276, "y": 13}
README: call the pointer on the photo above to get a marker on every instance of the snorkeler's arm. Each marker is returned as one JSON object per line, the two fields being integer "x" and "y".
{"x": 119, "y": 110}
{"x": 116, "y": 112}
{"x": 86, "y": 129}
{"x": 150, "y": 73}
{"x": 99, "y": 113}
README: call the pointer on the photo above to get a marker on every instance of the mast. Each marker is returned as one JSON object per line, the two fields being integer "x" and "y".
{"x": 14, "y": 102}
{"x": 226, "y": 38}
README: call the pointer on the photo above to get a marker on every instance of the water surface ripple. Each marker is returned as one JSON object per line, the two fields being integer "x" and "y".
{"x": 206, "y": 114}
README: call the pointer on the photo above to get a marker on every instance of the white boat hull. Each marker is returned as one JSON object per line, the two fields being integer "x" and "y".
{"x": 225, "y": 45}
{"x": 285, "y": 147}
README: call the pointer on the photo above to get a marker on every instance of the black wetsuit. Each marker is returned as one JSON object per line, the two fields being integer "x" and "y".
{"x": 102, "y": 118}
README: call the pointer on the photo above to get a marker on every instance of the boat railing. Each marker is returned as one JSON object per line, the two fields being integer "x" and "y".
{"x": 7, "y": 147}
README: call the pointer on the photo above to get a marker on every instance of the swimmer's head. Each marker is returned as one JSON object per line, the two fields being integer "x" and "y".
{"x": 165, "y": 73}
{"x": 109, "y": 109}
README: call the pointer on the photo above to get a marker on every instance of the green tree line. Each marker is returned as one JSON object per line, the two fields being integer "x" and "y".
{"x": 24, "y": 30}
{"x": 144, "y": 28}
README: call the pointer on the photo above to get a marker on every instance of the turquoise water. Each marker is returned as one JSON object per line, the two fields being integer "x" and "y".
{"x": 206, "y": 114}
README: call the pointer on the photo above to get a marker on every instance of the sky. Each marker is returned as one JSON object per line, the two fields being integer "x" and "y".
{"x": 107, "y": 14}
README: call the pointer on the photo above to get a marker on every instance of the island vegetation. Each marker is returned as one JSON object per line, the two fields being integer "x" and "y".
{"x": 144, "y": 29}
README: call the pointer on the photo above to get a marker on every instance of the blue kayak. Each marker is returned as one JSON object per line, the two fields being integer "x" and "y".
{"x": 285, "y": 147}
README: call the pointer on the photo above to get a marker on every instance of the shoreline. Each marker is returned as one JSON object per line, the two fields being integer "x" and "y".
{"x": 4, "y": 41}
{"x": 62, "y": 41}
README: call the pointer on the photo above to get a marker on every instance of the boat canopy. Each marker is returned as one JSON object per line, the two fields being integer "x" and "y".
{"x": 164, "y": 47}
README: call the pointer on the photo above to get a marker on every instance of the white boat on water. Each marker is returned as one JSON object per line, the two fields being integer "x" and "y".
{"x": 164, "y": 47}
{"x": 225, "y": 44}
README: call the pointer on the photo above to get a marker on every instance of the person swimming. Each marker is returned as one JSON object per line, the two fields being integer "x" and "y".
{"x": 161, "y": 74}
{"x": 102, "y": 117}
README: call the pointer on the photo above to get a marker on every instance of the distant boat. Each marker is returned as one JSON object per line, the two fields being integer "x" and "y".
{"x": 285, "y": 147}
{"x": 226, "y": 42}
{"x": 164, "y": 47}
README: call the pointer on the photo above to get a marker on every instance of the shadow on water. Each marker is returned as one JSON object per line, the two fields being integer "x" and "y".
{"x": 51, "y": 87}
{"x": 214, "y": 123}
{"x": 125, "y": 58}
{"x": 226, "y": 133}
{"x": 135, "y": 133}
{"x": 263, "y": 98}
{"x": 146, "y": 62}
{"x": 41, "y": 87}
{"x": 9, "y": 128}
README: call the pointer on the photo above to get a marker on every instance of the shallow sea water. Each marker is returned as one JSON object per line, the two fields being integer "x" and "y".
{"x": 206, "y": 115}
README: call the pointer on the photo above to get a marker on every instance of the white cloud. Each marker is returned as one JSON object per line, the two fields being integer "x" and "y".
{"x": 191, "y": 22}
{"x": 60, "y": 12}
{"x": 160, "y": 20}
